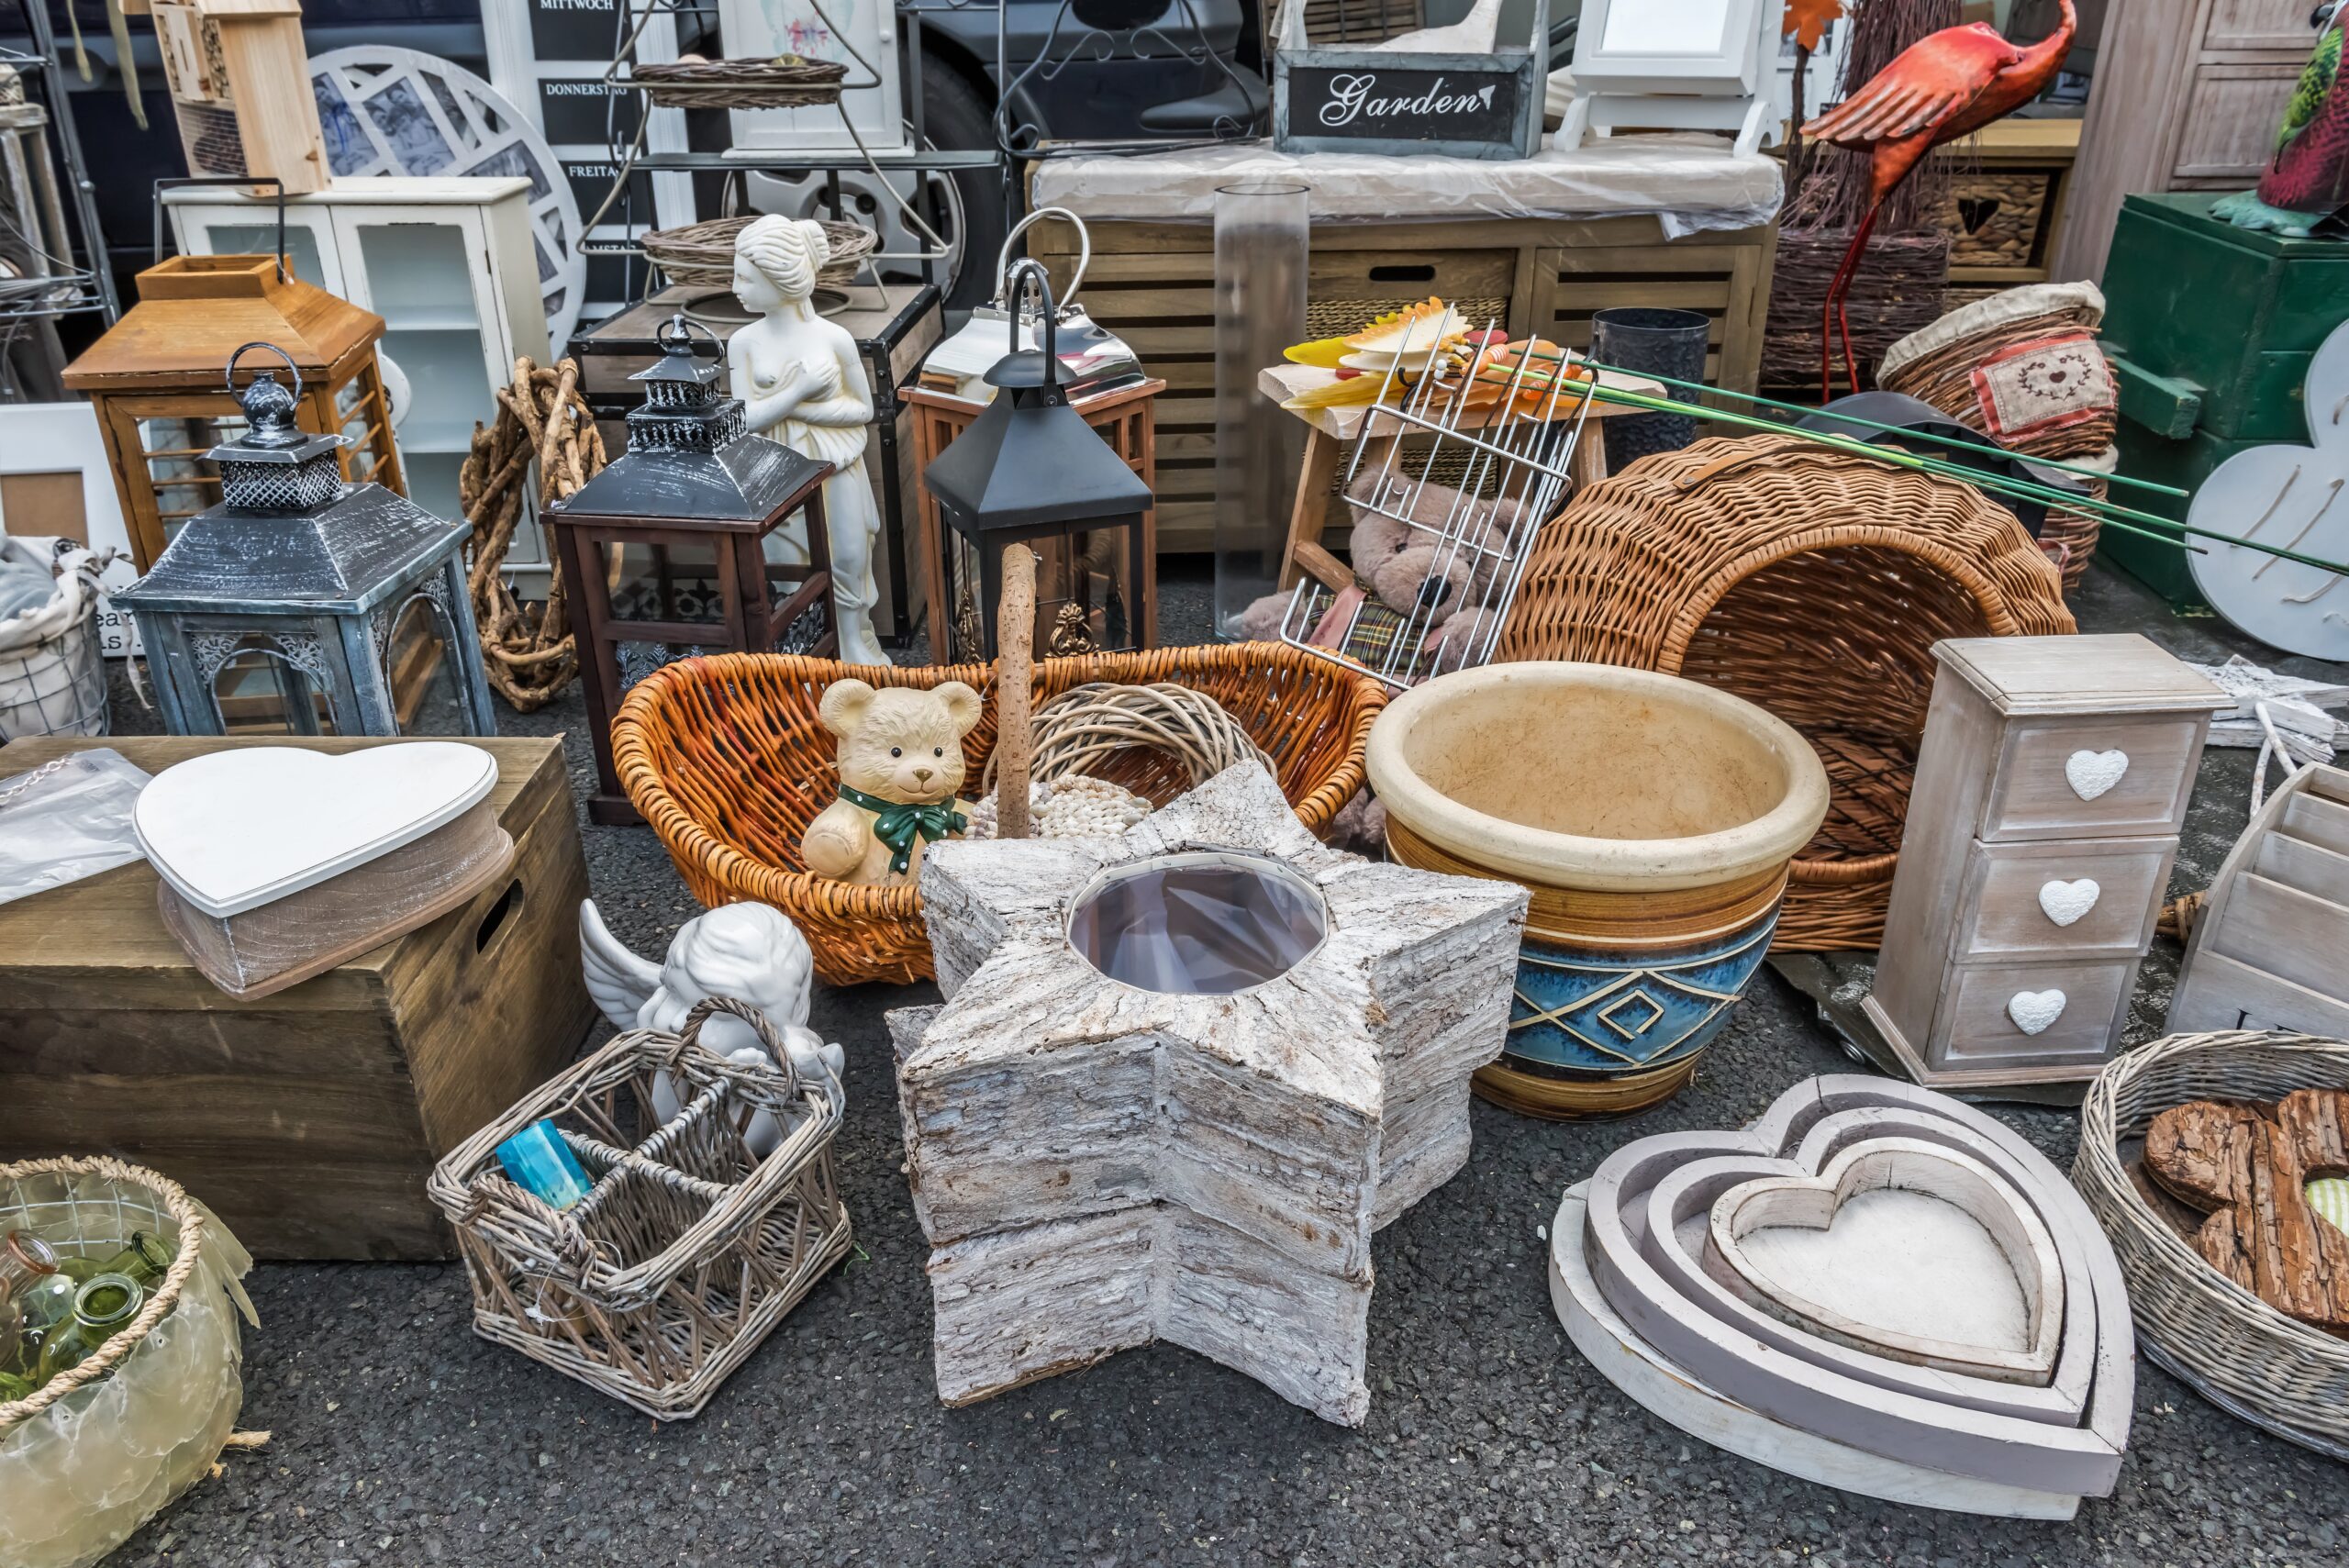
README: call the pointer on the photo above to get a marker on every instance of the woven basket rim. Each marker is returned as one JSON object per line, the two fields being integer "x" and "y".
{"x": 124, "y": 1342}
{"x": 2097, "y": 1169}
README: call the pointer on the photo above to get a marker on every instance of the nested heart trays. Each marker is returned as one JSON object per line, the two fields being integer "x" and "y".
{"x": 276, "y": 863}
{"x": 1873, "y": 1286}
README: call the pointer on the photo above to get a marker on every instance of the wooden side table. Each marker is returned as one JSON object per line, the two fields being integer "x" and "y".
{"x": 1125, "y": 418}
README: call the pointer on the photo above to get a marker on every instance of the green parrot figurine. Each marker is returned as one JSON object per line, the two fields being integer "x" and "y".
{"x": 2306, "y": 181}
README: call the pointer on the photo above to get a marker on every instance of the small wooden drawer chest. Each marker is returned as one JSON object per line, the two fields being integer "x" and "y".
{"x": 2051, "y": 787}
{"x": 307, "y": 1119}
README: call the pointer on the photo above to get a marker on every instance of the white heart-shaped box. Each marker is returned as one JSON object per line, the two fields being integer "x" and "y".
{"x": 2065, "y": 902}
{"x": 2090, "y": 774}
{"x": 233, "y": 830}
{"x": 2033, "y": 1011}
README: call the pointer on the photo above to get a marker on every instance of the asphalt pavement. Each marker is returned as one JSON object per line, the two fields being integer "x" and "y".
{"x": 399, "y": 1438}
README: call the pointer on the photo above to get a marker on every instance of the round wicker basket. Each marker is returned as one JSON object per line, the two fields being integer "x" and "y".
{"x": 1812, "y": 582}
{"x": 786, "y": 81}
{"x": 701, "y": 255}
{"x": 2248, "y": 1358}
{"x": 1096, "y": 724}
{"x": 727, "y": 760}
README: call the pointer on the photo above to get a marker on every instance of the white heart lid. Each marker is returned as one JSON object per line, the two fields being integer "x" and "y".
{"x": 233, "y": 830}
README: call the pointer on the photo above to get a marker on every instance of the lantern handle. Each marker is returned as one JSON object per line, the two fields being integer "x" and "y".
{"x": 293, "y": 369}
{"x": 1022, "y": 270}
{"x": 683, "y": 325}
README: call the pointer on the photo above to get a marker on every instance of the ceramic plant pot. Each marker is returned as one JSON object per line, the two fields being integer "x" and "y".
{"x": 1652, "y": 820}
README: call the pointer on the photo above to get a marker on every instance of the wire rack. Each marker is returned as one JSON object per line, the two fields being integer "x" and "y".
{"x": 1478, "y": 479}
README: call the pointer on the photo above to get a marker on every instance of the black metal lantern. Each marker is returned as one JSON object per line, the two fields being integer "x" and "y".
{"x": 689, "y": 515}
{"x": 306, "y": 605}
{"x": 1031, "y": 468}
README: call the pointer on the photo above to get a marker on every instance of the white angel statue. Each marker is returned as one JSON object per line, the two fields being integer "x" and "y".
{"x": 748, "y": 951}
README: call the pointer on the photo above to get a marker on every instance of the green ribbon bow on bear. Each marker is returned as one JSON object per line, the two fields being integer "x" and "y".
{"x": 896, "y": 824}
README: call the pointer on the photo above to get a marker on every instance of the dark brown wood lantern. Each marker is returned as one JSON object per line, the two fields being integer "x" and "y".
{"x": 673, "y": 549}
{"x": 1031, "y": 468}
{"x": 154, "y": 380}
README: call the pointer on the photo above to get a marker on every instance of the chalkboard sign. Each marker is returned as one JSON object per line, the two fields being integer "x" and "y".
{"x": 1413, "y": 104}
{"x": 574, "y": 30}
{"x": 1342, "y": 98}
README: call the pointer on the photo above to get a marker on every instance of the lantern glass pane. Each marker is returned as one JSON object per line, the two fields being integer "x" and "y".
{"x": 670, "y": 582}
{"x": 259, "y": 690}
{"x": 422, "y": 672}
{"x": 1084, "y": 587}
{"x": 257, "y": 238}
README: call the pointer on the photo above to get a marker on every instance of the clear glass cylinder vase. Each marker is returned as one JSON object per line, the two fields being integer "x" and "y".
{"x": 1260, "y": 255}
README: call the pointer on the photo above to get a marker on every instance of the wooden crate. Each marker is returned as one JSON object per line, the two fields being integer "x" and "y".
{"x": 308, "y": 1119}
{"x": 1153, "y": 285}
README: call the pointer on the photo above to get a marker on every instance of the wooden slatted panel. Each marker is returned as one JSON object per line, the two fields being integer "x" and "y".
{"x": 1572, "y": 284}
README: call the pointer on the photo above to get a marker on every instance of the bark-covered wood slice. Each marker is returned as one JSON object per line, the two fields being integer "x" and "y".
{"x": 2247, "y": 1168}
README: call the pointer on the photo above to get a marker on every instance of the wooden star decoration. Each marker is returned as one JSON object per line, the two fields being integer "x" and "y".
{"x": 1098, "y": 1166}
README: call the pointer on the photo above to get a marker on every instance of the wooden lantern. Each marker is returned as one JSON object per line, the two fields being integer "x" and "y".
{"x": 667, "y": 553}
{"x": 155, "y": 379}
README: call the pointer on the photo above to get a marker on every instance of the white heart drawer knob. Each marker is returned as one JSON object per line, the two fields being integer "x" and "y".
{"x": 2033, "y": 1011}
{"x": 2065, "y": 902}
{"x": 2090, "y": 774}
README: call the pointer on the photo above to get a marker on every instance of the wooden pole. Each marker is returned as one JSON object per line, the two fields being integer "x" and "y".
{"x": 1015, "y": 745}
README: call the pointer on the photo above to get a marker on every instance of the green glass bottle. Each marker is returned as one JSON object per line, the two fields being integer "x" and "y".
{"x": 145, "y": 1260}
{"x": 30, "y": 1286}
{"x": 101, "y": 1307}
{"x": 14, "y": 1387}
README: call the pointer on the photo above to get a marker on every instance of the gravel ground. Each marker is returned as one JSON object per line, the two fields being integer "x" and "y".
{"x": 402, "y": 1439}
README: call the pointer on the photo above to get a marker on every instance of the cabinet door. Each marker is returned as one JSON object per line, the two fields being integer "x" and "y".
{"x": 424, "y": 271}
{"x": 247, "y": 228}
{"x": 2231, "y": 113}
{"x": 2259, "y": 24}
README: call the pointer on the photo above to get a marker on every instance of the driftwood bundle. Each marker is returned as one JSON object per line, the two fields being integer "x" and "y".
{"x": 527, "y": 650}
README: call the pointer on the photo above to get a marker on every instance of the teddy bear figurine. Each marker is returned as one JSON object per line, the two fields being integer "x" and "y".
{"x": 900, "y": 767}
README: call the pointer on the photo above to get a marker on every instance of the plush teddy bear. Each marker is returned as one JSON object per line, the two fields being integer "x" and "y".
{"x": 900, "y": 766}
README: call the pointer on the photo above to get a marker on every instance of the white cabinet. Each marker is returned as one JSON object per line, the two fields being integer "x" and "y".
{"x": 450, "y": 267}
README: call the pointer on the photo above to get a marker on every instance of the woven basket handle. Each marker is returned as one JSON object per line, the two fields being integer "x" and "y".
{"x": 1705, "y": 473}
{"x": 769, "y": 1035}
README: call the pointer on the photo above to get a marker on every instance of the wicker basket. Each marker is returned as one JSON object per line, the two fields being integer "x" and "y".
{"x": 152, "y": 1409}
{"x": 688, "y": 1250}
{"x": 727, "y": 761}
{"x": 1812, "y": 582}
{"x": 2231, "y": 1347}
{"x": 786, "y": 81}
{"x": 1096, "y": 724}
{"x": 1895, "y": 290}
{"x": 701, "y": 255}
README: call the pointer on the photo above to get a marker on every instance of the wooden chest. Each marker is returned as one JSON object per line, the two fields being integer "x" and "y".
{"x": 2051, "y": 787}
{"x": 308, "y": 1119}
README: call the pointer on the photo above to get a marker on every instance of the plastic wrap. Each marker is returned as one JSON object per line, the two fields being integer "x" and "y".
{"x": 1207, "y": 923}
{"x": 269, "y": 947}
{"x": 67, "y": 820}
{"x": 1691, "y": 181}
{"x": 77, "y": 1478}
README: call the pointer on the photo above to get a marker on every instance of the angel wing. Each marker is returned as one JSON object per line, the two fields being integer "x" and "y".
{"x": 617, "y": 978}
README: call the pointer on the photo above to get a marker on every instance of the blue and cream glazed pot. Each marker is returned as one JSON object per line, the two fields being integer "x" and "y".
{"x": 1651, "y": 818}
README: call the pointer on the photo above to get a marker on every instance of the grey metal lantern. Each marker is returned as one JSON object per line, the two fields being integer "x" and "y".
{"x": 301, "y": 605}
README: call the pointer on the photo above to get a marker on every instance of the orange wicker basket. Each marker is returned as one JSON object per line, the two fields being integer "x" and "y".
{"x": 1811, "y": 582}
{"x": 727, "y": 761}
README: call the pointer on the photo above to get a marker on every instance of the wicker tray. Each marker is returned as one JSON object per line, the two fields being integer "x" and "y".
{"x": 701, "y": 255}
{"x": 1812, "y": 582}
{"x": 2245, "y": 1356}
{"x": 727, "y": 760}
{"x": 786, "y": 81}
{"x": 688, "y": 1250}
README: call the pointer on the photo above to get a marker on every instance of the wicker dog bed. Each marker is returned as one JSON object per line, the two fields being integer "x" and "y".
{"x": 727, "y": 761}
{"x": 1811, "y": 582}
{"x": 2232, "y": 1348}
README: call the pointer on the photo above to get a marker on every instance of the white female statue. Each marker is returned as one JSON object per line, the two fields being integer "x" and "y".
{"x": 800, "y": 381}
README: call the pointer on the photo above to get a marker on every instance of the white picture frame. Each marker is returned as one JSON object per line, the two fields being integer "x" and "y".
{"x": 1674, "y": 65}
{"x": 64, "y": 437}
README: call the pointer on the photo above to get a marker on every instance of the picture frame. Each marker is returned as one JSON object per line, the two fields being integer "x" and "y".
{"x": 1674, "y": 65}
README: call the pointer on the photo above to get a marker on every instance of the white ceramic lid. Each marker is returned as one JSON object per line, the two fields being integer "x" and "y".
{"x": 236, "y": 829}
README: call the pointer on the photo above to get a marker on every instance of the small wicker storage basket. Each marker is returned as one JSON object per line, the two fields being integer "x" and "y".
{"x": 701, "y": 255}
{"x": 1094, "y": 725}
{"x": 2244, "y": 1355}
{"x": 1812, "y": 582}
{"x": 785, "y": 81}
{"x": 727, "y": 761}
{"x": 688, "y": 1250}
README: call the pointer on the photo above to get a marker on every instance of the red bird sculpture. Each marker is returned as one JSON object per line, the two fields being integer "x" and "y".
{"x": 1945, "y": 85}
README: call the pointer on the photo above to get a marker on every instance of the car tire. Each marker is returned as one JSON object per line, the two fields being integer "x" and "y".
{"x": 955, "y": 119}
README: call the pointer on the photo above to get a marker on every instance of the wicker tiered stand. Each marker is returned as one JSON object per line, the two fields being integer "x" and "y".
{"x": 1813, "y": 582}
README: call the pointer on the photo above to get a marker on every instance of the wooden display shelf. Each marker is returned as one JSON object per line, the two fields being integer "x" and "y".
{"x": 307, "y": 1119}
{"x": 1153, "y": 285}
